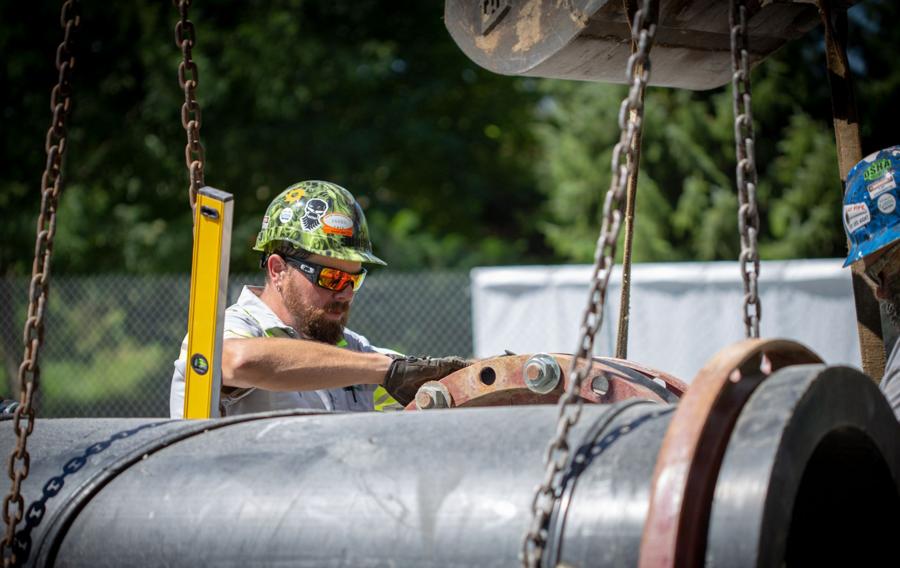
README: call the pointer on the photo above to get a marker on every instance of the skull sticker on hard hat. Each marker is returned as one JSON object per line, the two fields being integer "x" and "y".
{"x": 312, "y": 216}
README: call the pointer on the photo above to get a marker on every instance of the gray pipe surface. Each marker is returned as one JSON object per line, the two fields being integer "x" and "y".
{"x": 434, "y": 488}
{"x": 454, "y": 487}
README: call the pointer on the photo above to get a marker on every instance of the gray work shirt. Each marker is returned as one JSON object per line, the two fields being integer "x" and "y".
{"x": 251, "y": 317}
{"x": 890, "y": 383}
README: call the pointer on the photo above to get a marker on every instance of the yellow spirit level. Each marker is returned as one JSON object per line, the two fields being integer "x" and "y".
{"x": 209, "y": 287}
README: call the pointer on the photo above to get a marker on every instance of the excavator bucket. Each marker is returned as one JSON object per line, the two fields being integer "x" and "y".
{"x": 590, "y": 39}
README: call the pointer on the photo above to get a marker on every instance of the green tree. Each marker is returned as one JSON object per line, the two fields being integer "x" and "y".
{"x": 434, "y": 146}
{"x": 687, "y": 205}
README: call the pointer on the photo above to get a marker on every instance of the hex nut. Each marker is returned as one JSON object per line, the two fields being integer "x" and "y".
{"x": 433, "y": 394}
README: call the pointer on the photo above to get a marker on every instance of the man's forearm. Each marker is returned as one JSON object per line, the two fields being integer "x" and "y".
{"x": 280, "y": 364}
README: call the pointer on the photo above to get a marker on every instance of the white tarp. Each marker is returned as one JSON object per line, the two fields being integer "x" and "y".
{"x": 681, "y": 313}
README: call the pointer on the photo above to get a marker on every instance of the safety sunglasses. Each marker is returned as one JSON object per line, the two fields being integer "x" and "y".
{"x": 326, "y": 277}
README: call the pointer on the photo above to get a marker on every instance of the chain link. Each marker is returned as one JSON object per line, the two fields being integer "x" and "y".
{"x": 33, "y": 335}
{"x": 623, "y": 162}
{"x": 188, "y": 80}
{"x": 744, "y": 143}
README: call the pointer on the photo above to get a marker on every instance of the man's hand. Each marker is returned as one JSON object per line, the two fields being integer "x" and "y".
{"x": 407, "y": 374}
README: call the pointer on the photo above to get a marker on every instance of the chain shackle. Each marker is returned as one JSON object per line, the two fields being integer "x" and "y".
{"x": 745, "y": 154}
{"x": 188, "y": 80}
{"x": 33, "y": 334}
{"x": 631, "y": 116}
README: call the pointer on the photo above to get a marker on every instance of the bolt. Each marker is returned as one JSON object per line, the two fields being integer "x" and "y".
{"x": 600, "y": 385}
{"x": 541, "y": 373}
{"x": 424, "y": 400}
{"x": 432, "y": 394}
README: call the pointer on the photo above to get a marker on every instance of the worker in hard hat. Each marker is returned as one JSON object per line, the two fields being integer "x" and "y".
{"x": 285, "y": 343}
{"x": 872, "y": 222}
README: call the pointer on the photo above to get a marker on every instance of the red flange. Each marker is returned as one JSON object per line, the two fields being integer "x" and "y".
{"x": 499, "y": 381}
{"x": 692, "y": 449}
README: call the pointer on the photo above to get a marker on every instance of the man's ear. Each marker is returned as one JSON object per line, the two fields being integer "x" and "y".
{"x": 275, "y": 266}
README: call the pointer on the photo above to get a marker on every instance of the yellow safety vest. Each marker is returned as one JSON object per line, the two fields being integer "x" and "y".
{"x": 384, "y": 402}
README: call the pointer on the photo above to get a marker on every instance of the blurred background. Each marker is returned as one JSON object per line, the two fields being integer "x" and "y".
{"x": 456, "y": 168}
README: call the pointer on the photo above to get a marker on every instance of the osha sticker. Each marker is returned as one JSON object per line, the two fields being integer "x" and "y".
{"x": 877, "y": 169}
{"x": 337, "y": 224}
{"x": 199, "y": 364}
{"x": 887, "y": 203}
{"x": 856, "y": 216}
{"x": 286, "y": 215}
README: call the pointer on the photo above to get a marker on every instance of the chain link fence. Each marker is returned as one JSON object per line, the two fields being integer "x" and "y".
{"x": 111, "y": 340}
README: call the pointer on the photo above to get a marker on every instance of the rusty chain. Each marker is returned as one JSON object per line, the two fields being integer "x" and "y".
{"x": 194, "y": 155}
{"x": 51, "y": 187}
{"x": 744, "y": 143}
{"x": 631, "y": 115}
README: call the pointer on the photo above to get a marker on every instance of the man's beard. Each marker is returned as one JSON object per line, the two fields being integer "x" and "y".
{"x": 313, "y": 322}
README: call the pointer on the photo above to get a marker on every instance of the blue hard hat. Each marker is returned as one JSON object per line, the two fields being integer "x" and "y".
{"x": 871, "y": 219}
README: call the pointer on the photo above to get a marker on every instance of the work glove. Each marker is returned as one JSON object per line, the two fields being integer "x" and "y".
{"x": 407, "y": 374}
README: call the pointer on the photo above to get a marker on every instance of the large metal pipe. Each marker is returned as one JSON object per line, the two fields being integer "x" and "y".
{"x": 441, "y": 488}
{"x": 810, "y": 475}
{"x": 437, "y": 488}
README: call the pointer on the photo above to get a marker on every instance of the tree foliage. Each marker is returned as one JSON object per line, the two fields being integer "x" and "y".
{"x": 436, "y": 148}
{"x": 686, "y": 201}
{"x": 455, "y": 166}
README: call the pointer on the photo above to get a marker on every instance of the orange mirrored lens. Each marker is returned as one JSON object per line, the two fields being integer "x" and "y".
{"x": 337, "y": 280}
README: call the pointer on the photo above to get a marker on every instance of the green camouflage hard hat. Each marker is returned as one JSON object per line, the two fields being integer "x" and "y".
{"x": 320, "y": 217}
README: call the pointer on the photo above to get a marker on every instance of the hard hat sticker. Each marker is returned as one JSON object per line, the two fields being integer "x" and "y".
{"x": 885, "y": 183}
{"x": 887, "y": 203}
{"x": 286, "y": 215}
{"x": 199, "y": 364}
{"x": 877, "y": 169}
{"x": 312, "y": 215}
{"x": 293, "y": 195}
{"x": 337, "y": 224}
{"x": 856, "y": 216}
{"x": 265, "y": 223}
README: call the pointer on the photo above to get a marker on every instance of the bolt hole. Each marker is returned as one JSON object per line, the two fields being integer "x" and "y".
{"x": 488, "y": 376}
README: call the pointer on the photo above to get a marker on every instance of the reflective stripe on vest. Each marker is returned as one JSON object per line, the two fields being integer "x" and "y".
{"x": 384, "y": 401}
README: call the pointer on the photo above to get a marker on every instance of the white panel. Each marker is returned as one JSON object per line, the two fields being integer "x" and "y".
{"x": 681, "y": 313}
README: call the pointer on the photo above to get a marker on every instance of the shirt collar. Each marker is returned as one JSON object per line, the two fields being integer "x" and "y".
{"x": 250, "y": 301}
